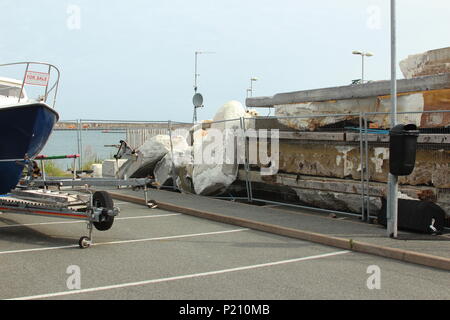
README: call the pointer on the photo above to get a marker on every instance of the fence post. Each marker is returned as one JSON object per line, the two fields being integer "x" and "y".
{"x": 361, "y": 163}
{"x": 80, "y": 144}
{"x": 248, "y": 184}
{"x": 174, "y": 180}
{"x": 367, "y": 169}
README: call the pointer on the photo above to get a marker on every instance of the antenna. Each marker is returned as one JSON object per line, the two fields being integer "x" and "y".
{"x": 197, "y": 100}
{"x": 196, "y": 74}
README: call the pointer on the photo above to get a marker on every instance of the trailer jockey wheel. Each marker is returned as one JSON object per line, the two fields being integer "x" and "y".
{"x": 152, "y": 204}
{"x": 102, "y": 199}
{"x": 84, "y": 242}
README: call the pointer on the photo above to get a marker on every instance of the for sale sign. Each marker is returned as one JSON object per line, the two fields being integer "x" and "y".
{"x": 37, "y": 78}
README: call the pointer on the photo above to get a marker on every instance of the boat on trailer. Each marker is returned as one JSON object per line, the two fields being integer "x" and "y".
{"x": 25, "y": 123}
{"x": 25, "y": 126}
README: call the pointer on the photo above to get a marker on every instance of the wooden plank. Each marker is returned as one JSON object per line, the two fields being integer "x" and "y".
{"x": 325, "y": 136}
{"x": 423, "y": 138}
{"x": 376, "y": 189}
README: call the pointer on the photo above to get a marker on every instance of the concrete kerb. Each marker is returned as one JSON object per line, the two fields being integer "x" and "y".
{"x": 342, "y": 243}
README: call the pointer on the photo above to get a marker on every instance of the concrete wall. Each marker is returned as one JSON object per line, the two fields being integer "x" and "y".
{"x": 343, "y": 161}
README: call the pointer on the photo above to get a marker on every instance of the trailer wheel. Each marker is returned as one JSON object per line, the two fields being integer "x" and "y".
{"x": 103, "y": 199}
{"x": 84, "y": 242}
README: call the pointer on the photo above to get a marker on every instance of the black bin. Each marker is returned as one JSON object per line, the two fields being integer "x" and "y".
{"x": 414, "y": 215}
{"x": 402, "y": 149}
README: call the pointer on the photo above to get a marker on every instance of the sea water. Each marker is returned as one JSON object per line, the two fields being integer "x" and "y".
{"x": 93, "y": 146}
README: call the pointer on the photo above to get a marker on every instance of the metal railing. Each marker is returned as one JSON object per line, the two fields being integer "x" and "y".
{"x": 45, "y": 82}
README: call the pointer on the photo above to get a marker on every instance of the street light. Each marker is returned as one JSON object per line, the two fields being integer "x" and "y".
{"x": 363, "y": 54}
{"x": 252, "y": 79}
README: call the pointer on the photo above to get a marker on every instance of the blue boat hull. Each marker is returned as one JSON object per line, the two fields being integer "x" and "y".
{"x": 24, "y": 131}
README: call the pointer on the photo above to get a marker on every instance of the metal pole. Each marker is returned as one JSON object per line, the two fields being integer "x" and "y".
{"x": 23, "y": 82}
{"x": 195, "y": 75}
{"x": 361, "y": 156}
{"x": 194, "y": 116}
{"x": 79, "y": 141}
{"x": 44, "y": 176}
{"x": 362, "y": 76}
{"x": 46, "y": 87}
{"x": 248, "y": 183}
{"x": 56, "y": 89}
{"x": 392, "y": 205}
{"x": 367, "y": 169}
{"x": 74, "y": 168}
{"x": 174, "y": 176}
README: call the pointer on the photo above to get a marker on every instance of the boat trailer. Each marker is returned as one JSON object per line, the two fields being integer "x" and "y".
{"x": 96, "y": 208}
{"x": 34, "y": 197}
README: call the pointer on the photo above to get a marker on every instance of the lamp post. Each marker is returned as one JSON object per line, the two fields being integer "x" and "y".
{"x": 363, "y": 54}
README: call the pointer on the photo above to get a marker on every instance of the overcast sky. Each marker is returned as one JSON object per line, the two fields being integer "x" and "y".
{"x": 134, "y": 59}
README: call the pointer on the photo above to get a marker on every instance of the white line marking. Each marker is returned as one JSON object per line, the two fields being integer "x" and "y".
{"x": 84, "y": 221}
{"x": 188, "y": 276}
{"x": 125, "y": 241}
{"x": 40, "y": 223}
{"x": 171, "y": 237}
{"x": 152, "y": 216}
{"x": 37, "y": 249}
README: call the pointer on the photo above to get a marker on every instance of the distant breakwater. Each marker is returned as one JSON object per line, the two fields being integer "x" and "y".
{"x": 97, "y": 125}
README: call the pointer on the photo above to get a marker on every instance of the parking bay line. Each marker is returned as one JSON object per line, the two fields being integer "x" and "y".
{"x": 182, "y": 277}
{"x": 127, "y": 241}
{"x": 84, "y": 221}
